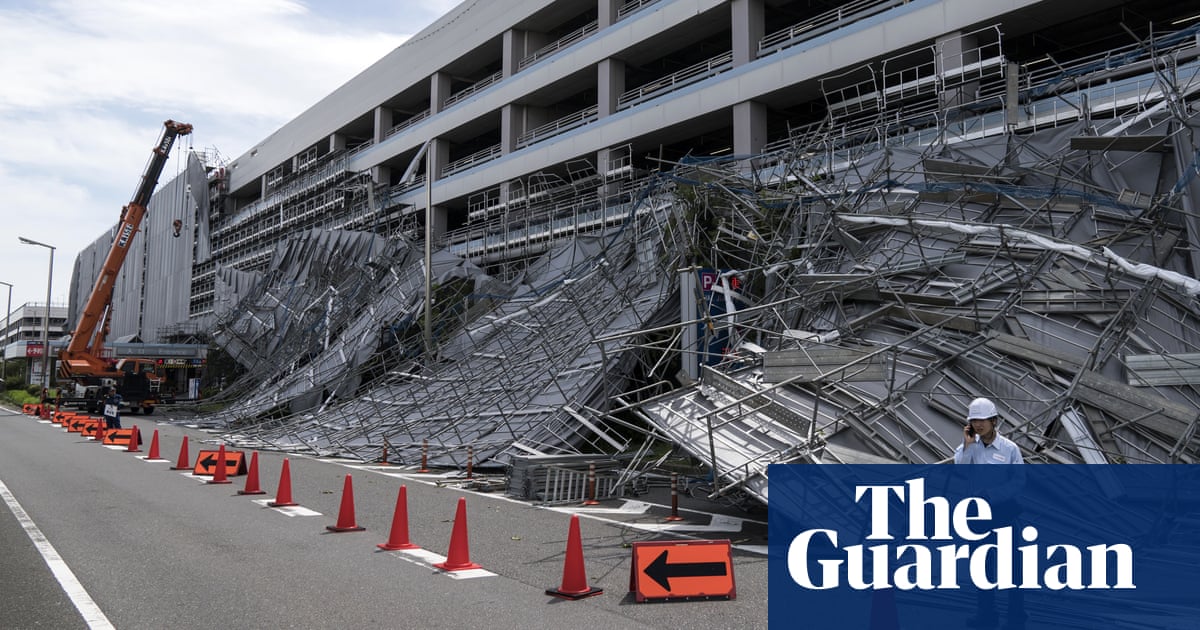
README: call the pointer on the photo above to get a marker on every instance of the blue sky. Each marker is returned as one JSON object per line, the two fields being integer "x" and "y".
{"x": 86, "y": 85}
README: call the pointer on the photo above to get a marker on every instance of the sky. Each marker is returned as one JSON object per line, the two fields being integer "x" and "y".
{"x": 85, "y": 86}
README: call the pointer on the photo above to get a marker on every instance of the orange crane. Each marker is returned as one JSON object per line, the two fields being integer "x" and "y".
{"x": 137, "y": 380}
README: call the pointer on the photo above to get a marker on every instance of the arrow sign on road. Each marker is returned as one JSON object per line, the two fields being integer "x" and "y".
{"x": 664, "y": 570}
{"x": 206, "y": 463}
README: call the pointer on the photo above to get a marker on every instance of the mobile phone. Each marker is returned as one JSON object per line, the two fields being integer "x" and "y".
{"x": 970, "y": 430}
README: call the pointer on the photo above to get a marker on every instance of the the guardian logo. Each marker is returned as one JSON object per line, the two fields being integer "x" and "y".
{"x": 917, "y": 561}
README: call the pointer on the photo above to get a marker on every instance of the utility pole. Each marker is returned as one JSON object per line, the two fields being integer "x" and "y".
{"x": 4, "y": 346}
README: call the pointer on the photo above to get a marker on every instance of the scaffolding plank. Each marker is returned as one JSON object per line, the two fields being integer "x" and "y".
{"x": 1148, "y": 370}
{"x": 1124, "y": 402}
{"x": 941, "y": 319}
{"x": 1068, "y": 301}
{"x": 839, "y": 363}
{"x": 1135, "y": 144}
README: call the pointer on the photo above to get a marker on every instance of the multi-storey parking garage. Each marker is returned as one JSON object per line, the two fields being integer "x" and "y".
{"x": 729, "y": 135}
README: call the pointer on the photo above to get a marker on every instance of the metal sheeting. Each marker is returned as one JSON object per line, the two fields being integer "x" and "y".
{"x": 513, "y": 360}
{"x": 151, "y": 291}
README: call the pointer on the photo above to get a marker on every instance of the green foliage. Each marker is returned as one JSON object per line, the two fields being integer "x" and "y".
{"x": 20, "y": 397}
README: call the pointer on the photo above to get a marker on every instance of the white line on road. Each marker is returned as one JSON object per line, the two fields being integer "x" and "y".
{"x": 92, "y": 614}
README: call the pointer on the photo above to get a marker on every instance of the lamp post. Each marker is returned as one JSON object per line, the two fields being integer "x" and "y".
{"x": 46, "y": 315}
{"x": 4, "y": 337}
{"x": 409, "y": 175}
{"x": 429, "y": 256}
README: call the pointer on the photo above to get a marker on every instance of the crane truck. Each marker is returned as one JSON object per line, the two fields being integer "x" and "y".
{"x": 138, "y": 380}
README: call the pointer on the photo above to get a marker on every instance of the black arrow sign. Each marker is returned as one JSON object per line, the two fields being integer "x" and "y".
{"x": 209, "y": 461}
{"x": 76, "y": 425}
{"x": 661, "y": 572}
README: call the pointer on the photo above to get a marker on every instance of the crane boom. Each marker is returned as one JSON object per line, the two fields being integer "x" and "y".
{"x": 81, "y": 358}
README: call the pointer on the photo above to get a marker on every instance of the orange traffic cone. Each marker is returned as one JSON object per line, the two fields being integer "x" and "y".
{"x": 134, "y": 440}
{"x": 459, "y": 556}
{"x": 100, "y": 432}
{"x": 220, "y": 474}
{"x": 252, "y": 477}
{"x": 398, "y": 537}
{"x": 345, "y": 522}
{"x": 182, "y": 463}
{"x": 154, "y": 447}
{"x": 283, "y": 496}
{"x": 574, "y": 579}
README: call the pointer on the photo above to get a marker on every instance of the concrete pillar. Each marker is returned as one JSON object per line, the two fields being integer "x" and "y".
{"x": 748, "y": 21}
{"x": 439, "y": 150}
{"x": 749, "y": 127}
{"x": 1012, "y": 86}
{"x": 508, "y": 191}
{"x": 518, "y": 45}
{"x": 610, "y": 84}
{"x": 337, "y": 142}
{"x": 952, "y": 51}
{"x": 381, "y": 175}
{"x": 606, "y": 13}
{"x": 441, "y": 219}
{"x": 513, "y": 51}
{"x": 512, "y": 125}
{"x": 605, "y": 163}
{"x": 438, "y": 156}
{"x": 689, "y": 310}
{"x": 383, "y": 123}
{"x": 439, "y": 90}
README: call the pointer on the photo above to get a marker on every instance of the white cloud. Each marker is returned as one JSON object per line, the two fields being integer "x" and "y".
{"x": 262, "y": 58}
{"x": 87, "y": 84}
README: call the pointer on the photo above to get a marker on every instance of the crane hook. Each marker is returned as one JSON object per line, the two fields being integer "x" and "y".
{"x": 178, "y": 224}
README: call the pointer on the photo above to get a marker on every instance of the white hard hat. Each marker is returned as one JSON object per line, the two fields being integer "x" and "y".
{"x": 981, "y": 409}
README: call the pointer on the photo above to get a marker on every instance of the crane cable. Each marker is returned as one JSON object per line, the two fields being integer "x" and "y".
{"x": 177, "y": 224}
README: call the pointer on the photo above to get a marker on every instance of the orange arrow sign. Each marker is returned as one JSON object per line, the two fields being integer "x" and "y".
{"x": 206, "y": 463}
{"x": 664, "y": 570}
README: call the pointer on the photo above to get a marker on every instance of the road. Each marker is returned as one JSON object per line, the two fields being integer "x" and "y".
{"x": 150, "y": 547}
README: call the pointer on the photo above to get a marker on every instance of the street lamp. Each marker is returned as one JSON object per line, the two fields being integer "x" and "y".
{"x": 4, "y": 337}
{"x": 409, "y": 175}
{"x": 46, "y": 316}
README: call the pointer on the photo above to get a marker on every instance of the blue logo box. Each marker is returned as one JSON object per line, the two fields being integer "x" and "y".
{"x": 890, "y": 547}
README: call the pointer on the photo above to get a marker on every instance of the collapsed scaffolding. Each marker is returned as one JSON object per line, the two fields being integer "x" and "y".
{"x": 837, "y": 298}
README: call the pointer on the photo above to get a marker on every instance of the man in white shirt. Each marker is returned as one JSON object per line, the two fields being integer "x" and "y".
{"x": 983, "y": 445}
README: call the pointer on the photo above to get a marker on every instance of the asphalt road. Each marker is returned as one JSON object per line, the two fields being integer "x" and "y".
{"x": 155, "y": 548}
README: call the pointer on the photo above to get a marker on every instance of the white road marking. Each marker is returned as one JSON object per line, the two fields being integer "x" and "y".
{"x": 717, "y": 522}
{"x": 426, "y": 558}
{"x": 83, "y": 602}
{"x": 289, "y": 510}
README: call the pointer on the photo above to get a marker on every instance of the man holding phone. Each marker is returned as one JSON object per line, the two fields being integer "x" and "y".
{"x": 981, "y": 443}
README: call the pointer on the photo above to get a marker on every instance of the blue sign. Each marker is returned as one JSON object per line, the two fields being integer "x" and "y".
{"x": 884, "y": 547}
{"x": 713, "y": 341}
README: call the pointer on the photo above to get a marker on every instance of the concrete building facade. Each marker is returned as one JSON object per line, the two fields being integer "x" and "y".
{"x": 21, "y": 339}
{"x": 519, "y": 99}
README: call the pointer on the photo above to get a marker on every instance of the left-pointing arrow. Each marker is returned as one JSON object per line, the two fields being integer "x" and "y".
{"x": 662, "y": 572}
